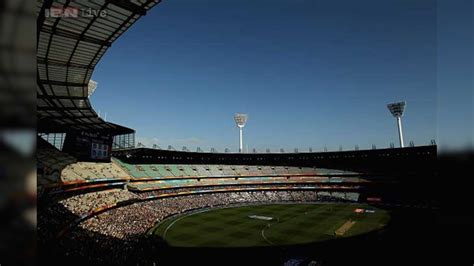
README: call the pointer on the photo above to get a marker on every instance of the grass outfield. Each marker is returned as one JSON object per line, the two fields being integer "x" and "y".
{"x": 291, "y": 224}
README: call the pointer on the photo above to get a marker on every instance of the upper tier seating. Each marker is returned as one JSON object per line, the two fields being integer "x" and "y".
{"x": 50, "y": 162}
{"x": 56, "y": 166}
{"x": 92, "y": 171}
{"x": 162, "y": 171}
{"x": 219, "y": 181}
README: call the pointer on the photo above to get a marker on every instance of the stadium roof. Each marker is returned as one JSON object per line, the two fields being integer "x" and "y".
{"x": 69, "y": 46}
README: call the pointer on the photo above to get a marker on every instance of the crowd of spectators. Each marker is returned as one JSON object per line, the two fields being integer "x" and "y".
{"x": 121, "y": 231}
{"x": 91, "y": 171}
{"x": 84, "y": 203}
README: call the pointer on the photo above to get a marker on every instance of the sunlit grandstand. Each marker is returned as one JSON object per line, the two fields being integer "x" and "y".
{"x": 105, "y": 200}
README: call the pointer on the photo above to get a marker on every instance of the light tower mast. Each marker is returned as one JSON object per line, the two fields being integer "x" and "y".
{"x": 241, "y": 120}
{"x": 397, "y": 110}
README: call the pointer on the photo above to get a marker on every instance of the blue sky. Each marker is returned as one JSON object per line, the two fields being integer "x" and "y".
{"x": 308, "y": 73}
{"x": 455, "y": 113}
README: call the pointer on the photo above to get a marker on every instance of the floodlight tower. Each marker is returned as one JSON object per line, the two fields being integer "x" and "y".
{"x": 397, "y": 110}
{"x": 91, "y": 86}
{"x": 241, "y": 120}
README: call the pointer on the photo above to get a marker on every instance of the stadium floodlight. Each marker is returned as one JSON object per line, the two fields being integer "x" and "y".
{"x": 241, "y": 120}
{"x": 397, "y": 110}
{"x": 91, "y": 86}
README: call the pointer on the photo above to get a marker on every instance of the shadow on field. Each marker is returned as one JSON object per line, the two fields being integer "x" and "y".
{"x": 408, "y": 237}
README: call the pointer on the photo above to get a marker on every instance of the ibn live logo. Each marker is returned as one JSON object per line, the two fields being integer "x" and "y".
{"x": 73, "y": 12}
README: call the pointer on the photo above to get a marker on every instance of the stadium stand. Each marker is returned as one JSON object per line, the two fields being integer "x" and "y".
{"x": 214, "y": 170}
{"x": 92, "y": 171}
{"x": 268, "y": 170}
{"x": 51, "y": 162}
{"x": 203, "y": 170}
{"x": 85, "y": 203}
{"x": 188, "y": 170}
{"x": 219, "y": 181}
